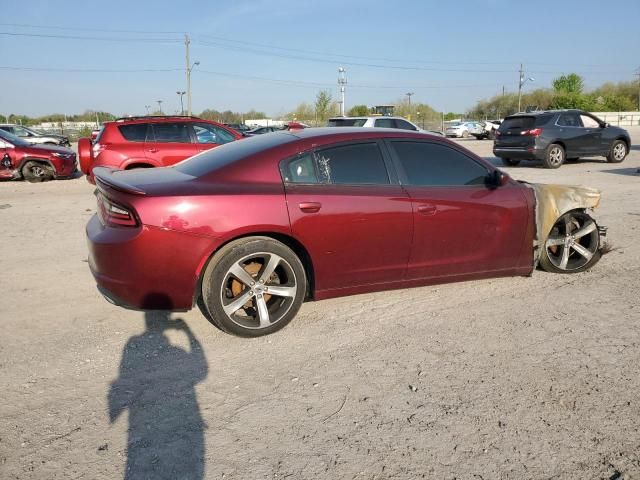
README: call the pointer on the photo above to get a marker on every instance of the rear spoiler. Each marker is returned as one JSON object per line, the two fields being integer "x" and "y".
{"x": 104, "y": 178}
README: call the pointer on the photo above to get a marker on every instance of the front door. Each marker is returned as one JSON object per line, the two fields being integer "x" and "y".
{"x": 461, "y": 226}
{"x": 350, "y": 213}
{"x": 168, "y": 143}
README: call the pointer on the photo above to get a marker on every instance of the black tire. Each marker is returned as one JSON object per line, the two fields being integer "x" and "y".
{"x": 261, "y": 312}
{"x": 491, "y": 135}
{"x": 509, "y": 162}
{"x": 554, "y": 158}
{"x": 618, "y": 152}
{"x": 573, "y": 245}
{"x": 35, "y": 172}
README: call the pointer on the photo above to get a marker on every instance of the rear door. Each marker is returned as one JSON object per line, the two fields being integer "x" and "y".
{"x": 460, "y": 225}
{"x": 347, "y": 208}
{"x": 169, "y": 142}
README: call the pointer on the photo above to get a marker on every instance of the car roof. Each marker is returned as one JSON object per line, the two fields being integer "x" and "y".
{"x": 160, "y": 118}
{"x": 541, "y": 112}
{"x": 367, "y": 117}
{"x": 355, "y": 133}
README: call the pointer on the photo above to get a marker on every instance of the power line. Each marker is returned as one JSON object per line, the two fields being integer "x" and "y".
{"x": 89, "y": 70}
{"x": 54, "y": 27}
{"x": 77, "y": 37}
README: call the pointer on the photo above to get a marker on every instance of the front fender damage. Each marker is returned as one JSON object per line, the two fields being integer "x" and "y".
{"x": 553, "y": 201}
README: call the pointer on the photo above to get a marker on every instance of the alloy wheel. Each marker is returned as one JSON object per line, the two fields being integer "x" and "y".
{"x": 619, "y": 151}
{"x": 573, "y": 242}
{"x": 556, "y": 156}
{"x": 258, "y": 290}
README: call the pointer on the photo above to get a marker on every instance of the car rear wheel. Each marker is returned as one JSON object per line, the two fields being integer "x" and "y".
{"x": 618, "y": 152}
{"x": 573, "y": 244}
{"x": 554, "y": 157}
{"x": 36, "y": 172}
{"x": 253, "y": 286}
{"x": 509, "y": 162}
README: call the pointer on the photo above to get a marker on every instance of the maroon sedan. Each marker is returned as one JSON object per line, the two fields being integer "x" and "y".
{"x": 251, "y": 229}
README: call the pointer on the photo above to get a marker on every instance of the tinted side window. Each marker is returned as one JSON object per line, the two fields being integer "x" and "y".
{"x": 385, "y": 123}
{"x": 300, "y": 170}
{"x": 543, "y": 119}
{"x": 569, "y": 120}
{"x": 358, "y": 164}
{"x": 404, "y": 125}
{"x": 206, "y": 133}
{"x": 171, "y": 132}
{"x": 430, "y": 164}
{"x": 136, "y": 132}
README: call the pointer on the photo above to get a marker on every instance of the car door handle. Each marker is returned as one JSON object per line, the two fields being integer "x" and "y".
{"x": 310, "y": 207}
{"x": 427, "y": 209}
{"x": 152, "y": 150}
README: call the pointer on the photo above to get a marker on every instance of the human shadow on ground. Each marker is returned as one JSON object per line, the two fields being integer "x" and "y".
{"x": 157, "y": 385}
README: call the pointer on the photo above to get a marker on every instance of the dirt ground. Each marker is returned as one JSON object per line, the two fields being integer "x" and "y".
{"x": 517, "y": 378}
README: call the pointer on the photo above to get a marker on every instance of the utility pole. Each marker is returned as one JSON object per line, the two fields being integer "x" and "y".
{"x": 522, "y": 81}
{"x": 147, "y": 107}
{"x": 409, "y": 94}
{"x": 159, "y": 106}
{"x": 189, "y": 69}
{"x": 342, "y": 82}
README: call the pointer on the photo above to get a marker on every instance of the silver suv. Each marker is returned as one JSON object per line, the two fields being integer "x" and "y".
{"x": 377, "y": 121}
{"x": 33, "y": 136}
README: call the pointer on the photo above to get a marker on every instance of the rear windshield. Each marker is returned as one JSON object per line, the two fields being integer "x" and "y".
{"x": 346, "y": 122}
{"x": 210, "y": 160}
{"x": 522, "y": 122}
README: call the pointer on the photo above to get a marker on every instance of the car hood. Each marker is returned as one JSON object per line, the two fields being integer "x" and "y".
{"x": 45, "y": 149}
{"x": 553, "y": 201}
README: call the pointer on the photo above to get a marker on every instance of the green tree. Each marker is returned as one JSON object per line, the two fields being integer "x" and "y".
{"x": 358, "y": 111}
{"x": 571, "y": 83}
{"x": 322, "y": 105}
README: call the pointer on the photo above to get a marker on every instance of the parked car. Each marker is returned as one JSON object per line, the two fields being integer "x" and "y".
{"x": 374, "y": 121}
{"x": 555, "y": 136}
{"x": 249, "y": 230}
{"x": 261, "y": 130}
{"x": 487, "y": 130}
{"x": 144, "y": 142}
{"x": 458, "y": 129}
{"x": 34, "y": 163}
{"x": 33, "y": 136}
{"x": 239, "y": 127}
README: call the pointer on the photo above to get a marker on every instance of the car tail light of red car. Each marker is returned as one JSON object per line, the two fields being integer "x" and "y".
{"x": 114, "y": 215}
{"x": 534, "y": 132}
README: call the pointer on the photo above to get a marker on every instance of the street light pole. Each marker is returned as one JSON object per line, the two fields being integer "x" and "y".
{"x": 409, "y": 94}
{"x": 160, "y": 105}
{"x": 181, "y": 104}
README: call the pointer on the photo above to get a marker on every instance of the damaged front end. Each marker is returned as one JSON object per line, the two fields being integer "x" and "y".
{"x": 553, "y": 202}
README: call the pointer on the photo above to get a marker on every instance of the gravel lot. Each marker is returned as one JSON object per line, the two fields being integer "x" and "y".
{"x": 511, "y": 378}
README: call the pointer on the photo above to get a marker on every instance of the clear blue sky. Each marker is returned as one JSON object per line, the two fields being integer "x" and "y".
{"x": 449, "y": 53}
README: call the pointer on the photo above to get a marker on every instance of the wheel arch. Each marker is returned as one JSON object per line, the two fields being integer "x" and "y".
{"x": 138, "y": 163}
{"x": 298, "y": 248}
{"x": 625, "y": 140}
{"x": 24, "y": 161}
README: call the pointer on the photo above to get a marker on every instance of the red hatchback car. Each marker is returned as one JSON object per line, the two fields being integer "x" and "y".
{"x": 251, "y": 229}
{"x": 34, "y": 163}
{"x": 152, "y": 141}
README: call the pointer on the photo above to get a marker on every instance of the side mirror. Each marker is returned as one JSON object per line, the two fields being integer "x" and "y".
{"x": 497, "y": 179}
{"x": 605, "y": 124}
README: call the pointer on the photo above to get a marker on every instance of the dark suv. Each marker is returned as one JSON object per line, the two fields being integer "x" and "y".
{"x": 557, "y": 135}
{"x": 152, "y": 141}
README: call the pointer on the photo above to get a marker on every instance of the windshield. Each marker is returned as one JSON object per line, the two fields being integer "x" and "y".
{"x": 346, "y": 122}
{"x": 210, "y": 160}
{"x": 16, "y": 141}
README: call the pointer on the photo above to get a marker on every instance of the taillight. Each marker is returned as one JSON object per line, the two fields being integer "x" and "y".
{"x": 97, "y": 148}
{"x": 534, "y": 132}
{"x": 114, "y": 215}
